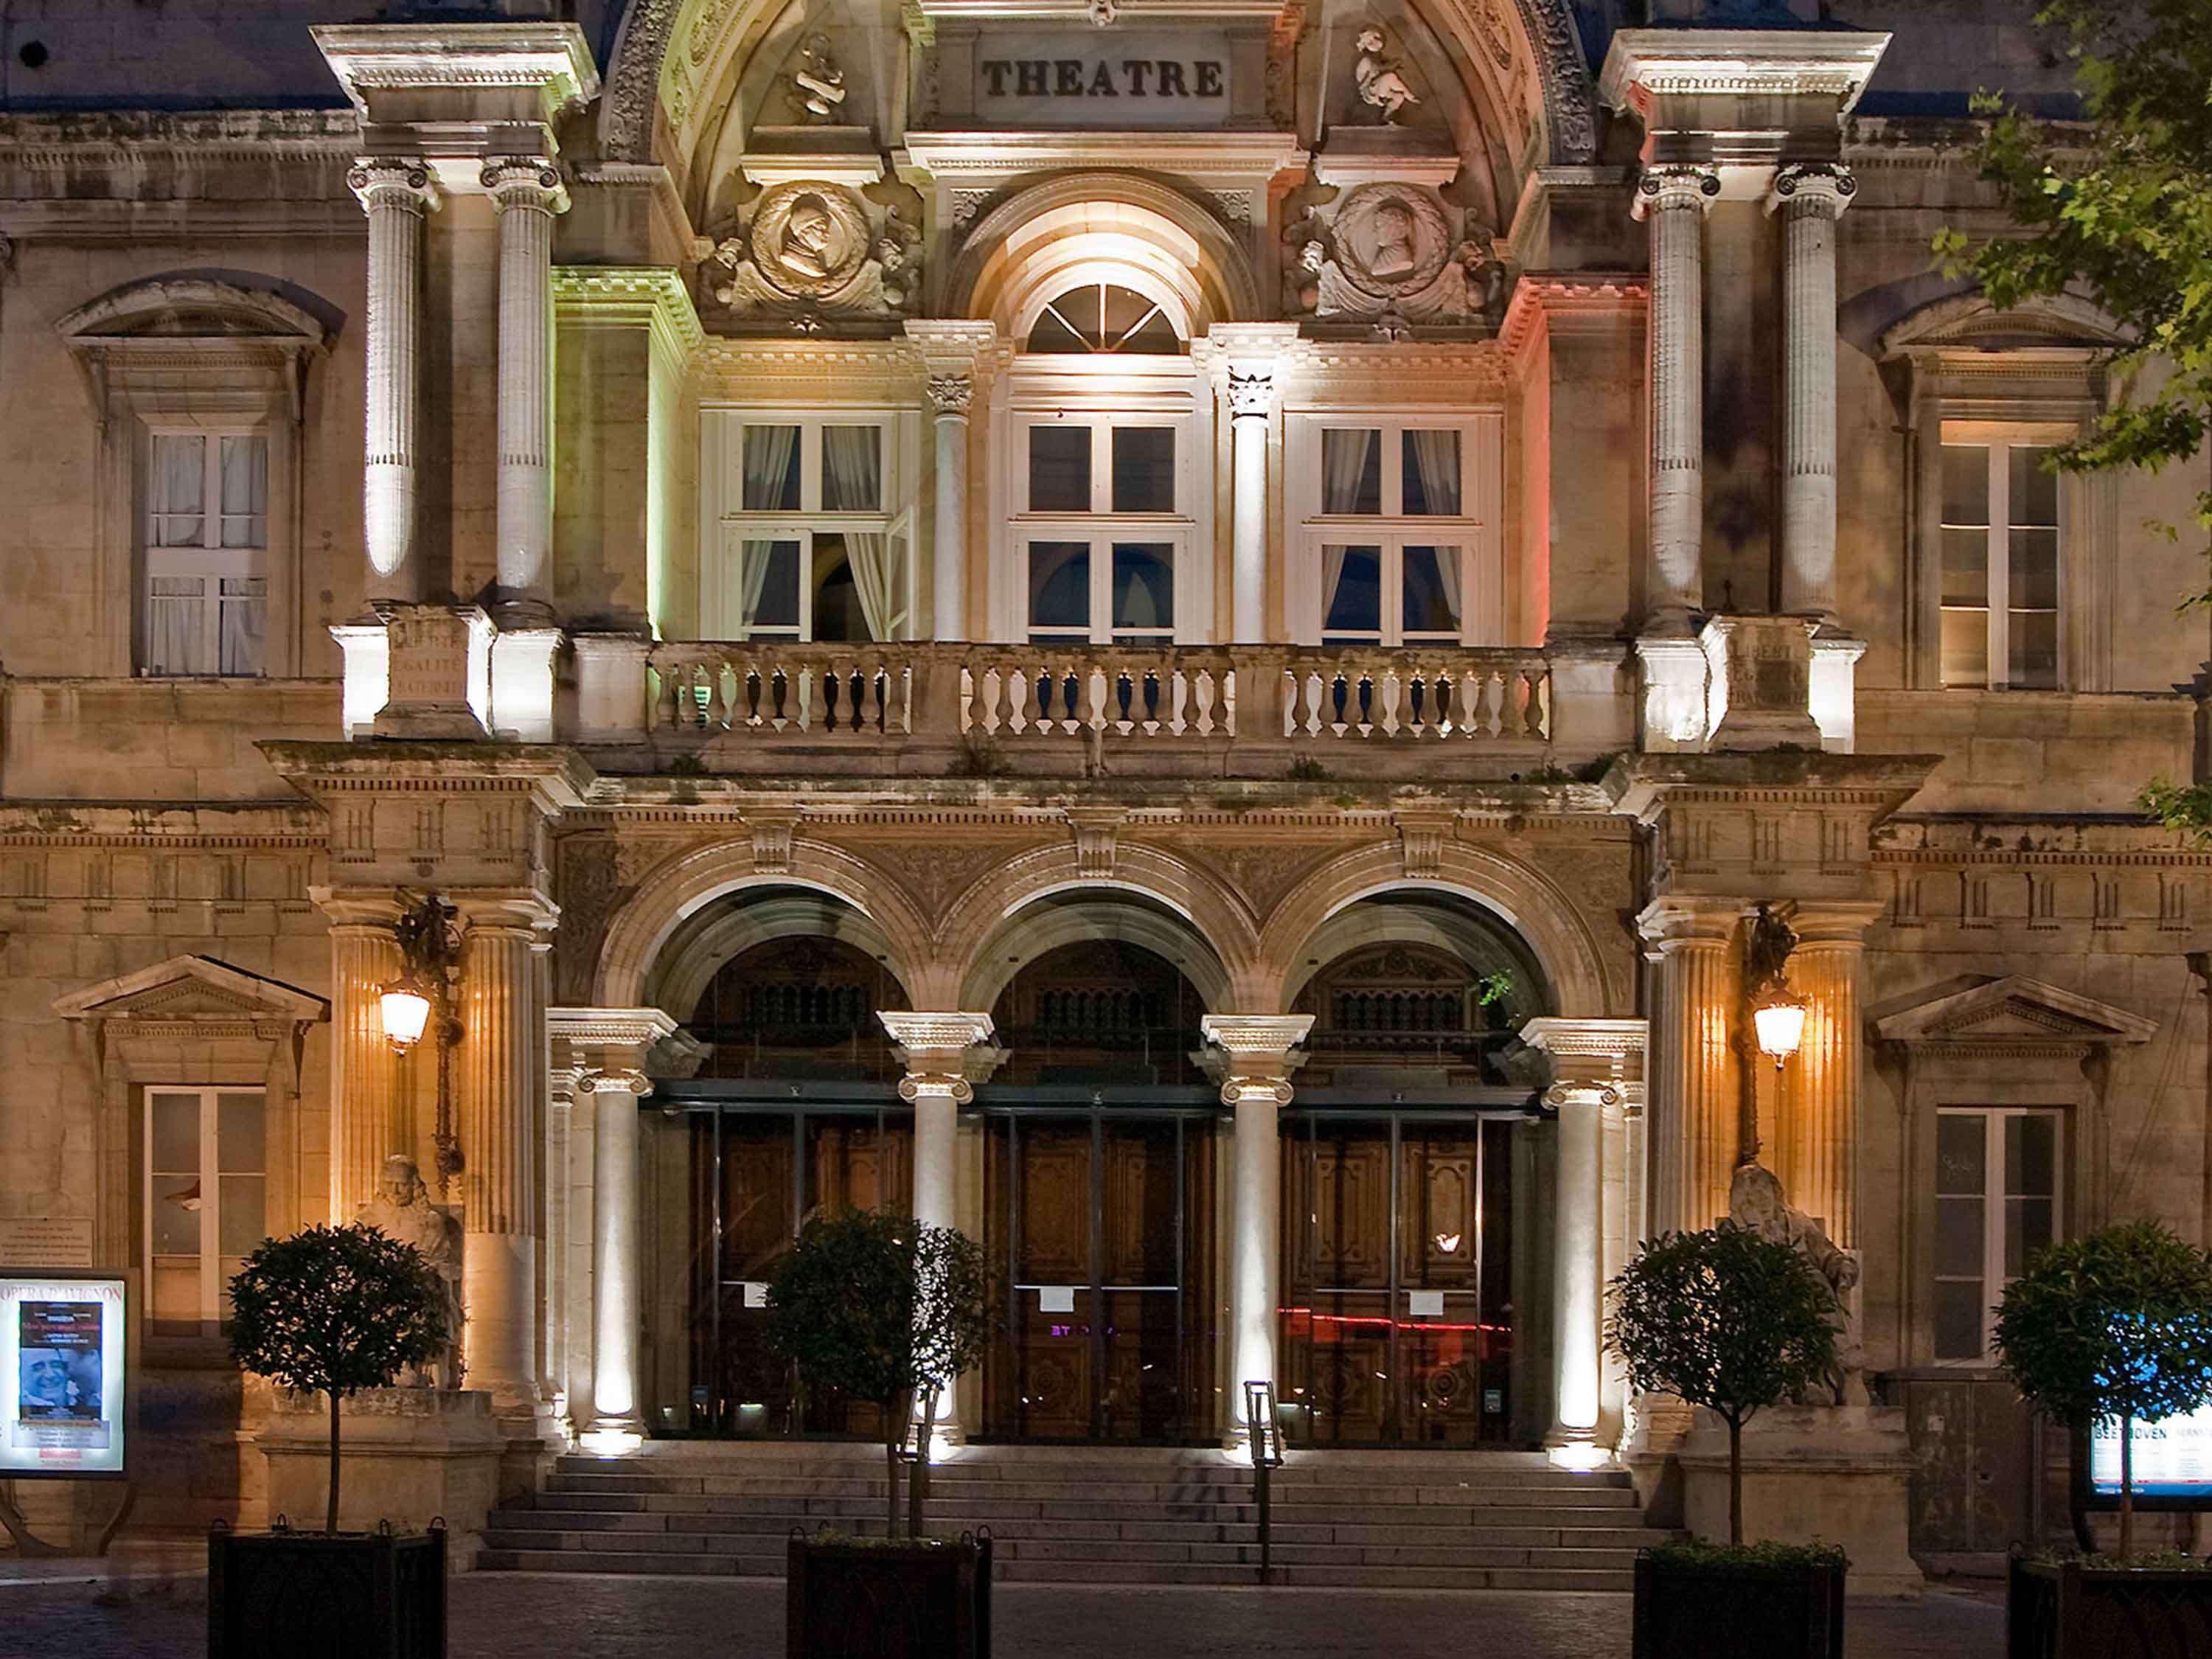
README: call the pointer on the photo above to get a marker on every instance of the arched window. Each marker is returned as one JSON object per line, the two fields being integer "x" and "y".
{"x": 1105, "y": 317}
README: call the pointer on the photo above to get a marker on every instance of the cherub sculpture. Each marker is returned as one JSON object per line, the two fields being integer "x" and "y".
{"x": 1380, "y": 84}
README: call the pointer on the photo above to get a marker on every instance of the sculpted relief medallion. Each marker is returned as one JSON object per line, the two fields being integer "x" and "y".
{"x": 814, "y": 251}
{"x": 1391, "y": 241}
{"x": 809, "y": 240}
{"x": 1387, "y": 254}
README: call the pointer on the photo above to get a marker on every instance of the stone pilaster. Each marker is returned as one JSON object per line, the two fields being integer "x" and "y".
{"x": 1672, "y": 201}
{"x": 368, "y": 1122}
{"x": 1809, "y": 196}
{"x": 527, "y": 192}
{"x": 395, "y": 193}
{"x": 1252, "y": 353}
{"x": 1695, "y": 1115}
{"x": 1257, "y": 1063}
{"x": 1818, "y": 1114}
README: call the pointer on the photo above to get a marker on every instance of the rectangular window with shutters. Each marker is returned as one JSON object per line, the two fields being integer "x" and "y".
{"x": 205, "y": 598}
{"x": 206, "y": 1180}
{"x": 1997, "y": 1203}
{"x": 2001, "y": 567}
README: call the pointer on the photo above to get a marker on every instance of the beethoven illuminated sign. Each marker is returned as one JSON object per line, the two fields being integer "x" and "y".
{"x": 1102, "y": 80}
{"x": 2172, "y": 1459}
{"x": 61, "y": 1374}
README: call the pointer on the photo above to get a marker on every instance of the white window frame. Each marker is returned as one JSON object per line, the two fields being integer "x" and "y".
{"x": 1102, "y": 527}
{"x": 1993, "y": 1277}
{"x": 1475, "y": 530}
{"x": 727, "y": 525}
{"x": 206, "y": 561}
{"x": 1999, "y": 439}
{"x": 212, "y": 1308}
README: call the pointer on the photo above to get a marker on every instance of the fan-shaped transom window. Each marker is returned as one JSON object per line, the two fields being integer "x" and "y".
{"x": 1104, "y": 317}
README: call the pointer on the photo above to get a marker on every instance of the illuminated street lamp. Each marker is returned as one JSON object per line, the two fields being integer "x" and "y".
{"x": 405, "y": 1009}
{"x": 1779, "y": 1018}
{"x": 421, "y": 1001}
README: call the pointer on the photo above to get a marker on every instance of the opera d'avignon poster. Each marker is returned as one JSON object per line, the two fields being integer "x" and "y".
{"x": 61, "y": 1375}
{"x": 57, "y": 1361}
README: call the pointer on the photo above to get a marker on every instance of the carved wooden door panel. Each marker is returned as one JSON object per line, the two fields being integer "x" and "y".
{"x": 1439, "y": 1247}
{"x": 1049, "y": 1393}
{"x": 752, "y": 1386}
{"x": 1338, "y": 1328}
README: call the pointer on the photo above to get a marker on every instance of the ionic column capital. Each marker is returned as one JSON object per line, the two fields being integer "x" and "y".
{"x": 1832, "y": 923}
{"x": 1668, "y": 925}
{"x": 518, "y": 914}
{"x": 1676, "y": 187}
{"x": 1258, "y": 1054}
{"x": 392, "y": 182}
{"x": 525, "y": 181}
{"x": 593, "y": 1081}
{"x": 1814, "y": 187}
{"x": 945, "y": 1054}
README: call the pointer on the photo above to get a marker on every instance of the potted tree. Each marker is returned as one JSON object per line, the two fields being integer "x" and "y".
{"x": 882, "y": 1309}
{"x": 332, "y": 1310}
{"x": 2114, "y": 1327}
{"x": 1733, "y": 1322}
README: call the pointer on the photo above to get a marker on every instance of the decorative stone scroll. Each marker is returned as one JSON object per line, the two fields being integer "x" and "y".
{"x": 811, "y": 251}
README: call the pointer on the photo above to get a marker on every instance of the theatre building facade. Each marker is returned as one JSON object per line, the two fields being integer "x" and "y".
{"x": 1221, "y": 644}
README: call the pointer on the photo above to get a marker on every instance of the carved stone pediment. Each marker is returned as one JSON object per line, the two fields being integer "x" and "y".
{"x": 196, "y": 992}
{"x": 2015, "y": 1013}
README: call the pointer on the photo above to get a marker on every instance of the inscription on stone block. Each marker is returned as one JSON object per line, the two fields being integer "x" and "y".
{"x": 1109, "y": 79}
{"x": 429, "y": 657}
{"x": 46, "y": 1241}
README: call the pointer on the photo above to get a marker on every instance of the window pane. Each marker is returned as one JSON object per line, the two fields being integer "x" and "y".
{"x": 176, "y": 1215}
{"x": 1958, "y": 1320}
{"x": 1965, "y": 485}
{"x": 1144, "y": 585}
{"x": 1144, "y": 469}
{"x": 1052, "y": 334}
{"x": 1059, "y": 469}
{"x": 238, "y": 1134}
{"x": 1429, "y": 473}
{"x": 177, "y": 490}
{"x": 1352, "y": 470}
{"x": 245, "y": 492}
{"x": 177, "y": 1289}
{"x": 1965, "y": 647}
{"x": 1352, "y": 590}
{"x": 242, "y": 648}
{"x": 1127, "y": 311}
{"x": 2033, "y": 489}
{"x": 1961, "y": 1153}
{"x": 853, "y": 469}
{"x": 771, "y": 588}
{"x": 175, "y": 1134}
{"x": 1060, "y": 585}
{"x": 2034, "y": 570}
{"x": 2033, "y": 659}
{"x": 1432, "y": 591}
{"x": 1959, "y": 1236}
{"x": 838, "y": 614}
{"x": 1966, "y": 567}
{"x": 2032, "y": 1156}
{"x": 772, "y": 464}
{"x": 241, "y": 1220}
{"x": 2027, "y": 1230}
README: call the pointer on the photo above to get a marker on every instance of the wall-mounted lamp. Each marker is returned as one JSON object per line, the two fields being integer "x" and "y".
{"x": 1779, "y": 1018}
{"x": 421, "y": 1002}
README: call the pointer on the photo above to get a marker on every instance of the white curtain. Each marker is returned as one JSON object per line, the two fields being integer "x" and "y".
{"x": 178, "y": 489}
{"x": 768, "y": 463}
{"x": 174, "y": 637}
{"x": 1437, "y": 453}
{"x": 245, "y": 612}
{"x": 851, "y": 468}
{"x": 245, "y": 492}
{"x": 868, "y": 551}
{"x": 1345, "y": 455}
{"x": 753, "y": 559}
{"x": 1448, "y": 578}
{"x": 1332, "y": 577}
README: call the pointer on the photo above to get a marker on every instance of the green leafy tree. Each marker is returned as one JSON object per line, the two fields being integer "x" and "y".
{"x": 334, "y": 1310}
{"x": 2116, "y": 1324}
{"x": 880, "y": 1308}
{"x": 1726, "y": 1320}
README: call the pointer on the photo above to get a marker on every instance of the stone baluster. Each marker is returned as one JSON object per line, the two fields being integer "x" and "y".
{"x": 527, "y": 192}
{"x": 1674, "y": 200}
{"x": 1809, "y": 196}
{"x": 1257, "y": 1063}
{"x": 395, "y": 194}
{"x": 948, "y": 397}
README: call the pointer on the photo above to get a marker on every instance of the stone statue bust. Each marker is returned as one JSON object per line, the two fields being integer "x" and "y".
{"x": 402, "y": 1211}
{"x": 1756, "y": 1203}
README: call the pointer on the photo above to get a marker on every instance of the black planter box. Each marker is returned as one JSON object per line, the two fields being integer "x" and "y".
{"x": 846, "y": 1600}
{"x": 320, "y": 1595}
{"x": 2064, "y": 1610}
{"x": 1717, "y": 1611}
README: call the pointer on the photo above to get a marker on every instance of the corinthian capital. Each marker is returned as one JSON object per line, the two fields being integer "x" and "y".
{"x": 392, "y": 181}
{"x": 525, "y": 181}
{"x": 1676, "y": 186}
{"x": 948, "y": 394}
{"x": 1251, "y": 390}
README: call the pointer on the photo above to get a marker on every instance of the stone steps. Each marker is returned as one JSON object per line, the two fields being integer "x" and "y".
{"x": 1096, "y": 1515}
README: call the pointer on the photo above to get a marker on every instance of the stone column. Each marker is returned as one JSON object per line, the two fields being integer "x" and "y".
{"x": 949, "y": 397}
{"x": 368, "y": 1123}
{"x": 1809, "y": 195}
{"x": 1695, "y": 1082}
{"x": 501, "y": 1124}
{"x": 1258, "y": 1062}
{"x": 527, "y": 192}
{"x": 1674, "y": 200}
{"x": 616, "y": 1423}
{"x": 395, "y": 194}
{"x": 1251, "y": 394}
{"x": 1817, "y": 1126}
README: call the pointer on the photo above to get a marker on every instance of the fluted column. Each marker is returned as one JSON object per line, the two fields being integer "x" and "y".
{"x": 527, "y": 192}
{"x": 1673, "y": 200}
{"x": 501, "y": 1122}
{"x": 1694, "y": 1103}
{"x": 1809, "y": 196}
{"x": 1251, "y": 394}
{"x": 395, "y": 194}
{"x": 615, "y": 1293}
{"x": 367, "y": 1123}
{"x": 1258, "y": 1061}
{"x": 949, "y": 397}
{"x": 1818, "y": 1111}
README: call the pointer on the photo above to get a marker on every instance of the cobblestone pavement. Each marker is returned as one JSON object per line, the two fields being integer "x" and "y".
{"x": 505, "y": 1616}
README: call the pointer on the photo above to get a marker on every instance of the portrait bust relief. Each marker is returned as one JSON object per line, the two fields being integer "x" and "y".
{"x": 809, "y": 240}
{"x": 814, "y": 251}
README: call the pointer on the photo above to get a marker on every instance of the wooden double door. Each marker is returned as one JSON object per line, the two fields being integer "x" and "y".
{"x": 1398, "y": 1325}
{"x": 1102, "y": 1221}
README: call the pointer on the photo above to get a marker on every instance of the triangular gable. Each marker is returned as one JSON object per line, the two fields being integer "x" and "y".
{"x": 2015, "y": 1009}
{"x": 193, "y": 988}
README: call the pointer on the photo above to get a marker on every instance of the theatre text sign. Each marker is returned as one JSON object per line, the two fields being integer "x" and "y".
{"x": 1102, "y": 78}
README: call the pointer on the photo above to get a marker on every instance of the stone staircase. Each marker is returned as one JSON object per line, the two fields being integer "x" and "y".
{"x": 1399, "y": 1520}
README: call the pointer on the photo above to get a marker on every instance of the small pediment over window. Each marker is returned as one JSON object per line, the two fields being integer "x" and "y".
{"x": 198, "y": 991}
{"x": 194, "y": 307}
{"x": 1969, "y": 323}
{"x": 2015, "y": 1011}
